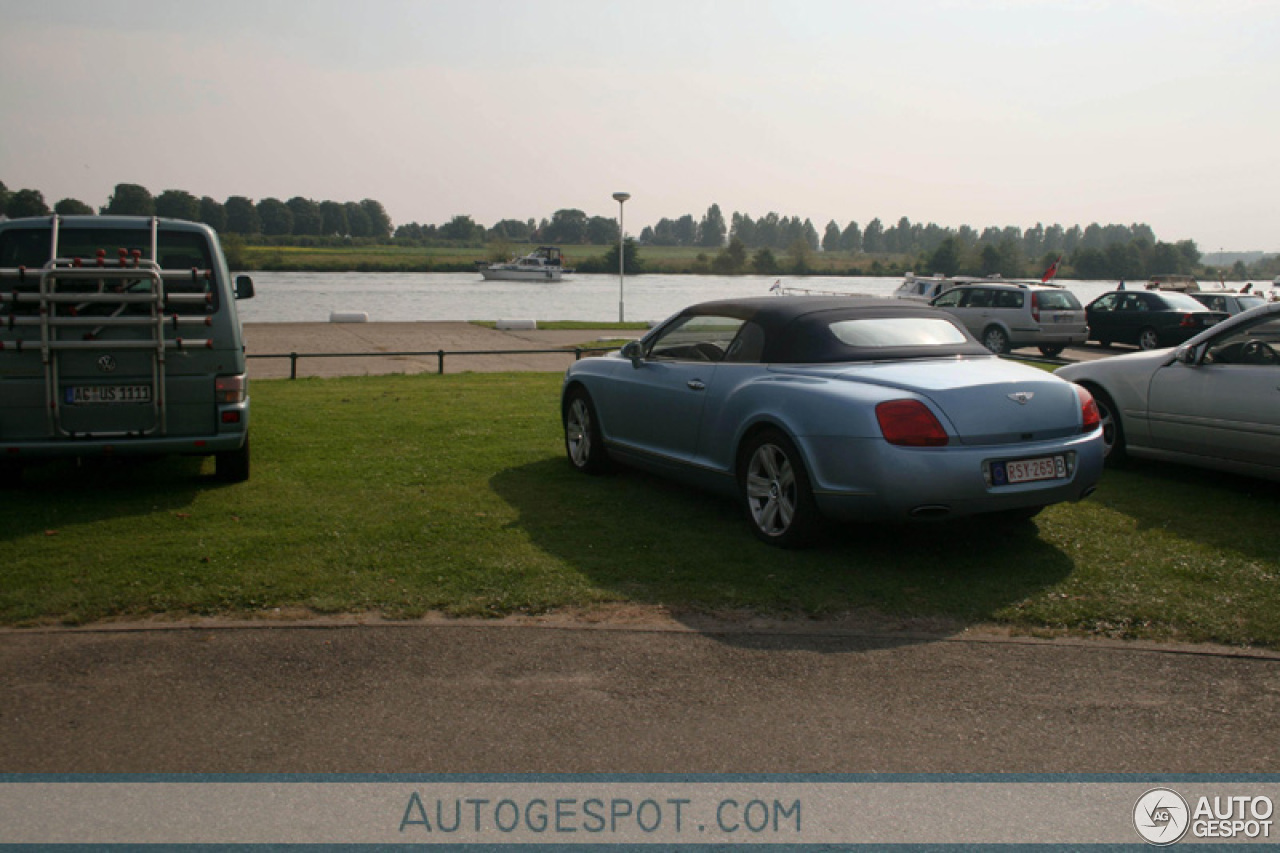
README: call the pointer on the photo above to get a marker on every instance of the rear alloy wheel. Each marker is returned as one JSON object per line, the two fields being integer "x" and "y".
{"x": 1051, "y": 351}
{"x": 1148, "y": 339}
{"x": 775, "y": 491}
{"x": 583, "y": 442}
{"x": 995, "y": 339}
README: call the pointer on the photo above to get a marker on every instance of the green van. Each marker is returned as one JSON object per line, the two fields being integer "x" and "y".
{"x": 119, "y": 336}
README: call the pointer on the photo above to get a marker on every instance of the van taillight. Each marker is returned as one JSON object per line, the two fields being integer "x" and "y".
{"x": 230, "y": 389}
{"x": 1035, "y": 307}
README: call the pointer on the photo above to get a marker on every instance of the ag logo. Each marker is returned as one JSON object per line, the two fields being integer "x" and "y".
{"x": 106, "y": 363}
{"x": 1022, "y": 397}
{"x": 1161, "y": 816}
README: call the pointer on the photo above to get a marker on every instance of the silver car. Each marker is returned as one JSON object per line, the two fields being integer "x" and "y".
{"x": 1228, "y": 301}
{"x": 856, "y": 409}
{"x": 1009, "y": 315}
{"x": 1212, "y": 402}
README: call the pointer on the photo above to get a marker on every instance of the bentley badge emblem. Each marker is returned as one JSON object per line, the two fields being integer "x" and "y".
{"x": 1022, "y": 397}
{"x": 106, "y": 363}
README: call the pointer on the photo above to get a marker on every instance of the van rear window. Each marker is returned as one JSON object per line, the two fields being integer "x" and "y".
{"x": 177, "y": 250}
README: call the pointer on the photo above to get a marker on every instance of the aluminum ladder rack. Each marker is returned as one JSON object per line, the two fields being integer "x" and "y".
{"x": 91, "y": 297}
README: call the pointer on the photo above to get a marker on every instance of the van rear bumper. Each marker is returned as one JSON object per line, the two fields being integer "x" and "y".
{"x": 18, "y": 451}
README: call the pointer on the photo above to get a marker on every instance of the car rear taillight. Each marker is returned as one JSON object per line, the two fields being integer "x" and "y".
{"x": 230, "y": 389}
{"x": 1035, "y": 307}
{"x": 1189, "y": 321}
{"x": 909, "y": 423}
{"x": 1089, "y": 415}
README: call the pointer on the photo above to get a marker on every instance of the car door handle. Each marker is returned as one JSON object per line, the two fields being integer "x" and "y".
{"x": 696, "y": 384}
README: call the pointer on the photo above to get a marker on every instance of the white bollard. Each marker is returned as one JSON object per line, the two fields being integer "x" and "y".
{"x": 348, "y": 317}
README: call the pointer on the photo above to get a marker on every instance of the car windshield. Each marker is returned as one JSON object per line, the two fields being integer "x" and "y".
{"x": 897, "y": 332}
{"x": 1058, "y": 300}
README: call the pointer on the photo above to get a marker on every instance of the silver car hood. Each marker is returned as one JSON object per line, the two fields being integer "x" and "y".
{"x": 986, "y": 400}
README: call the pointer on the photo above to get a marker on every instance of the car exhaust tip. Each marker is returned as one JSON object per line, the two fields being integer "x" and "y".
{"x": 931, "y": 511}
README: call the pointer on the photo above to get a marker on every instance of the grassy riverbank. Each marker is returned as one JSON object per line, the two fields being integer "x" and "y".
{"x": 408, "y": 494}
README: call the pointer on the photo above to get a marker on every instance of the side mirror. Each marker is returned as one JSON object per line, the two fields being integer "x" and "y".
{"x": 244, "y": 287}
{"x": 634, "y": 351}
{"x": 1189, "y": 356}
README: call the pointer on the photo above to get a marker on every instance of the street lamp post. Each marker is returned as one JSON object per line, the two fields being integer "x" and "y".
{"x": 620, "y": 198}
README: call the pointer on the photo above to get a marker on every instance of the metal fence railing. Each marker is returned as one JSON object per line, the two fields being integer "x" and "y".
{"x": 295, "y": 357}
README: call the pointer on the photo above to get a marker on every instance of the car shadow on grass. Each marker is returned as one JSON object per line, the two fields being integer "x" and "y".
{"x": 640, "y": 539}
{"x": 65, "y": 492}
{"x": 1226, "y": 512}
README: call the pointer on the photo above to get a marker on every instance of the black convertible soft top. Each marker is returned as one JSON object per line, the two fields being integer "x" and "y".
{"x": 797, "y": 329}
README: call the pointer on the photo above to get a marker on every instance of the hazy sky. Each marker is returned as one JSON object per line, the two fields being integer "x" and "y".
{"x": 978, "y": 112}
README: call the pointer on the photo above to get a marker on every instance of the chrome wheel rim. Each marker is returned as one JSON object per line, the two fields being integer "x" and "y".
{"x": 771, "y": 490}
{"x": 995, "y": 341}
{"x": 1148, "y": 340}
{"x": 577, "y": 432}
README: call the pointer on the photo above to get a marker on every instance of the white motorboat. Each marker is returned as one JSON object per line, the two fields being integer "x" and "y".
{"x": 542, "y": 264}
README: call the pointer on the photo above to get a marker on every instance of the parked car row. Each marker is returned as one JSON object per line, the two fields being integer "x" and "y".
{"x": 1010, "y": 315}
{"x": 808, "y": 408}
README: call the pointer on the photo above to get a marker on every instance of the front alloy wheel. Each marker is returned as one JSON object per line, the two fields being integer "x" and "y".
{"x": 582, "y": 439}
{"x": 775, "y": 491}
{"x": 1112, "y": 429}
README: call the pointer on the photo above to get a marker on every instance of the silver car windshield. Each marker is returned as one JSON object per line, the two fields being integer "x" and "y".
{"x": 897, "y": 332}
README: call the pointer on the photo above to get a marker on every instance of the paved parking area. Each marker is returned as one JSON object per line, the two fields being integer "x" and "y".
{"x": 364, "y": 344}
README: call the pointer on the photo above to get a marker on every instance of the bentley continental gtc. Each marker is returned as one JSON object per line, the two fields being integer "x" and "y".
{"x": 805, "y": 408}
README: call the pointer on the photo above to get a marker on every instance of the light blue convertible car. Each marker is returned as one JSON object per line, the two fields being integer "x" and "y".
{"x": 857, "y": 409}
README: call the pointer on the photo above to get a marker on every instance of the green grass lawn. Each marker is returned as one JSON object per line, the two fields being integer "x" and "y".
{"x": 407, "y": 494}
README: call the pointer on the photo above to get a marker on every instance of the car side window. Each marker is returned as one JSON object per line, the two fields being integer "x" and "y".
{"x": 748, "y": 346}
{"x": 950, "y": 299}
{"x": 699, "y": 337}
{"x": 1009, "y": 299}
{"x": 1257, "y": 344}
{"x": 978, "y": 298}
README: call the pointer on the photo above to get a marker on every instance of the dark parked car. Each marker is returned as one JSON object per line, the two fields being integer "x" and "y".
{"x": 1149, "y": 319}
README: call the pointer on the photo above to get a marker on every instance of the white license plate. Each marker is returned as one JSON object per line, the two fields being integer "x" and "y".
{"x": 1031, "y": 470}
{"x": 81, "y": 395}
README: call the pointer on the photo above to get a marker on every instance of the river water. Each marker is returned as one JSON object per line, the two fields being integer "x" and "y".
{"x": 409, "y": 297}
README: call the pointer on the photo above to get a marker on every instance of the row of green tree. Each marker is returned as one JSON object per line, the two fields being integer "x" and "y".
{"x": 270, "y": 217}
{"x": 771, "y": 243}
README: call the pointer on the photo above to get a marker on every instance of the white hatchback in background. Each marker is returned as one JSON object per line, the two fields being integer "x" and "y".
{"x": 1009, "y": 315}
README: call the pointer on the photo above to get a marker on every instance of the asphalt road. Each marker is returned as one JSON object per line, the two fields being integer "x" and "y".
{"x": 652, "y": 697}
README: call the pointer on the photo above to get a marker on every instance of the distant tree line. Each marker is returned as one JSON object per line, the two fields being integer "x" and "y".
{"x": 270, "y": 217}
{"x": 768, "y": 244}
